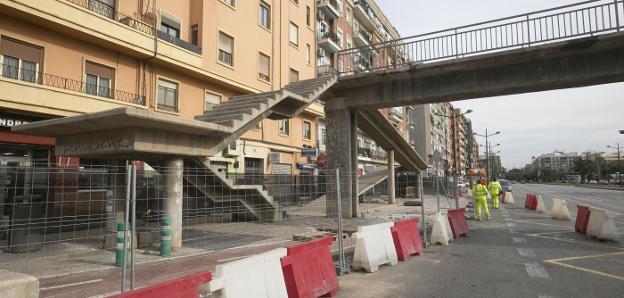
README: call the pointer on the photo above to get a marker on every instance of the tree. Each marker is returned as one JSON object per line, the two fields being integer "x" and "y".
{"x": 585, "y": 167}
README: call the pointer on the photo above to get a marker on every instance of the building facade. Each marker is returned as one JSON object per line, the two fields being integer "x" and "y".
{"x": 180, "y": 58}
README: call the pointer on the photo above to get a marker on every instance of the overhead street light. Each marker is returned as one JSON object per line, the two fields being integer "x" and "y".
{"x": 453, "y": 117}
{"x": 619, "y": 152}
{"x": 487, "y": 147}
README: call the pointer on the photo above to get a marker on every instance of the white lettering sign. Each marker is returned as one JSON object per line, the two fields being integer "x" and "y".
{"x": 8, "y": 122}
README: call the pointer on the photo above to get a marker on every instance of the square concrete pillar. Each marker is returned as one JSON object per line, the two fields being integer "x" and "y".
{"x": 341, "y": 136}
{"x": 174, "y": 169}
{"x": 391, "y": 184}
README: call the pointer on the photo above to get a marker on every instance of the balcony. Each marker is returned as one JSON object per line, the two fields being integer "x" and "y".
{"x": 329, "y": 8}
{"x": 396, "y": 114}
{"x": 362, "y": 37}
{"x": 111, "y": 13}
{"x": 178, "y": 42}
{"x": 330, "y": 42}
{"x": 57, "y": 95}
{"x": 364, "y": 14}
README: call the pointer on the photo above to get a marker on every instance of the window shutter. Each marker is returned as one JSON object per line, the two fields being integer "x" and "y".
{"x": 225, "y": 43}
{"x": 264, "y": 64}
{"x": 100, "y": 70}
{"x": 21, "y": 50}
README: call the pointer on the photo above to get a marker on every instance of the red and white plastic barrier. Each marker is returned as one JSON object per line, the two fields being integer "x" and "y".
{"x": 601, "y": 225}
{"x": 406, "y": 238}
{"x": 374, "y": 247}
{"x": 255, "y": 276}
{"x": 582, "y": 219}
{"x": 185, "y": 287}
{"x": 309, "y": 269}
{"x": 441, "y": 232}
{"x": 560, "y": 210}
{"x": 457, "y": 221}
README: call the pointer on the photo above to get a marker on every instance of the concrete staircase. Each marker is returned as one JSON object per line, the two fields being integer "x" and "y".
{"x": 245, "y": 202}
{"x": 243, "y": 112}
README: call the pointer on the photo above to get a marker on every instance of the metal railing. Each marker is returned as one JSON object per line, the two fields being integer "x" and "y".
{"x": 41, "y": 78}
{"x": 567, "y": 22}
{"x": 178, "y": 42}
{"x": 112, "y": 13}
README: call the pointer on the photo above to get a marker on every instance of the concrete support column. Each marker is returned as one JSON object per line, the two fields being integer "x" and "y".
{"x": 115, "y": 202}
{"x": 340, "y": 140}
{"x": 173, "y": 204}
{"x": 391, "y": 184}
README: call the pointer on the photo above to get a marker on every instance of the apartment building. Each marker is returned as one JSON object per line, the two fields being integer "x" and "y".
{"x": 180, "y": 58}
{"x": 347, "y": 24}
{"x": 557, "y": 161}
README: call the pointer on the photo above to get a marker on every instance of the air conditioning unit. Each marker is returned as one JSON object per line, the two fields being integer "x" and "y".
{"x": 321, "y": 52}
{"x": 232, "y": 150}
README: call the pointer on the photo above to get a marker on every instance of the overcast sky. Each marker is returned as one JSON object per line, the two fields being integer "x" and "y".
{"x": 578, "y": 119}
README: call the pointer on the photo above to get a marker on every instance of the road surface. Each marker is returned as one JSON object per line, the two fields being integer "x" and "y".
{"x": 520, "y": 254}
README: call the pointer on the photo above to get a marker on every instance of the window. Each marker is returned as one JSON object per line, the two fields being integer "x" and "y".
{"x": 265, "y": 15}
{"x": 226, "y": 49}
{"x": 170, "y": 25}
{"x": 307, "y": 130}
{"x": 99, "y": 79}
{"x": 195, "y": 35}
{"x": 324, "y": 136}
{"x": 308, "y": 15}
{"x": 293, "y": 76}
{"x": 284, "y": 126}
{"x": 264, "y": 67}
{"x": 340, "y": 36}
{"x": 308, "y": 55}
{"x": 211, "y": 100}
{"x": 230, "y": 2}
{"x": 167, "y": 95}
{"x": 20, "y": 61}
{"x": 294, "y": 34}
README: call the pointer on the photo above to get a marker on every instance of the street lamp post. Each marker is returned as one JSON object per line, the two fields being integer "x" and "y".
{"x": 619, "y": 159}
{"x": 487, "y": 154}
{"x": 453, "y": 117}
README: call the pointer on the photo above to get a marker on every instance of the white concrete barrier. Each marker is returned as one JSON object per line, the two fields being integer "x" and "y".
{"x": 441, "y": 232}
{"x": 509, "y": 199}
{"x": 448, "y": 223}
{"x": 601, "y": 225}
{"x": 374, "y": 247}
{"x": 18, "y": 285}
{"x": 255, "y": 276}
{"x": 541, "y": 208}
{"x": 560, "y": 210}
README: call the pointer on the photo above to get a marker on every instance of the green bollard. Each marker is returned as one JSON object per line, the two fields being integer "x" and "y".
{"x": 165, "y": 237}
{"x": 119, "y": 251}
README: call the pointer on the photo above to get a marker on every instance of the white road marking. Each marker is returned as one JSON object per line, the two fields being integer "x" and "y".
{"x": 71, "y": 284}
{"x": 544, "y": 296}
{"x": 513, "y": 231}
{"x": 519, "y": 240}
{"x": 511, "y": 225}
{"x": 536, "y": 270}
{"x": 526, "y": 252}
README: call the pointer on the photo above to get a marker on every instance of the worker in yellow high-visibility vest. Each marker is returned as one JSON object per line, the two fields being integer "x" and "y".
{"x": 480, "y": 193}
{"x": 495, "y": 188}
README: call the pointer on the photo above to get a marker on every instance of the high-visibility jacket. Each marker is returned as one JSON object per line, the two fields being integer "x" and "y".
{"x": 479, "y": 190}
{"x": 495, "y": 187}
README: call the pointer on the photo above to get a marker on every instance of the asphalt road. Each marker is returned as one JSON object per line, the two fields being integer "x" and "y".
{"x": 521, "y": 253}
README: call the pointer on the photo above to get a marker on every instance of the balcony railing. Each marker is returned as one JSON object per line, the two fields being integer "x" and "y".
{"x": 179, "y": 42}
{"x": 567, "y": 22}
{"x": 35, "y": 77}
{"x": 331, "y": 36}
{"x": 111, "y": 13}
{"x": 372, "y": 153}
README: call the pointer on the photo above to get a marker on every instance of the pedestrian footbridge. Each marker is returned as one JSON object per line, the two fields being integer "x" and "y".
{"x": 568, "y": 46}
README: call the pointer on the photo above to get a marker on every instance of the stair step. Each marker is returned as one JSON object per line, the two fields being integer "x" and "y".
{"x": 214, "y": 119}
{"x": 240, "y": 106}
{"x": 226, "y": 122}
{"x": 230, "y": 112}
{"x": 252, "y": 96}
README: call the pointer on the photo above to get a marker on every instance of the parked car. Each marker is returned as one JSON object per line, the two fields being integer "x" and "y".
{"x": 461, "y": 184}
{"x": 593, "y": 182}
{"x": 603, "y": 181}
{"x": 506, "y": 184}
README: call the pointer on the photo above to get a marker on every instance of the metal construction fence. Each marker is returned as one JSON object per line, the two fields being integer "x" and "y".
{"x": 62, "y": 223}
{"x": 578, "y": 20}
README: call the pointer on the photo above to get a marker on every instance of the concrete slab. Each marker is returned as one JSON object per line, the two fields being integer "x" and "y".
{"x": 18, "y": 285}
